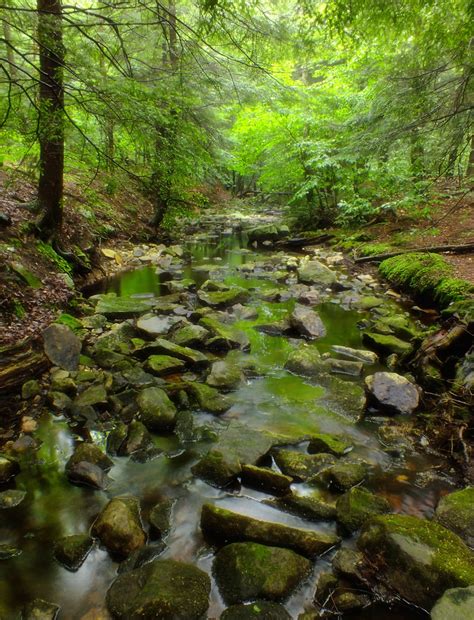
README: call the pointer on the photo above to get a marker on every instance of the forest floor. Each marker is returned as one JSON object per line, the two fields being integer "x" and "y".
{"x": 100, "y": 215}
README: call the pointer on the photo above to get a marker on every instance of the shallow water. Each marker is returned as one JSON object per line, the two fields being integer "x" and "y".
{"x": 277, "y": 401}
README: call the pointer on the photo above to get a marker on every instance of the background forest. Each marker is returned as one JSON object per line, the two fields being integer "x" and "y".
{"x": 339, "y": 109}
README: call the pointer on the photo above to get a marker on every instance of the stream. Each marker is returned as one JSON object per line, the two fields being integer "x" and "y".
{"x": 270, "y": 399}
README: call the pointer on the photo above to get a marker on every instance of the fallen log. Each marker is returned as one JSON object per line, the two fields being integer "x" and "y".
{"x": 299, "y": 242}
{"x": 465, "y": 248}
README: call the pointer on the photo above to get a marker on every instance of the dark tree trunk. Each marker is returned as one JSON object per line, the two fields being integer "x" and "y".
{"x": 470, "y": 164}
{"x": 51, "y": 121}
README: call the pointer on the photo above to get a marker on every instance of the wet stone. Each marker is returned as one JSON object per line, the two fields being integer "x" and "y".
{"x": 366, "y": 357}
{"x": 163, "y": 364}
{"x": 11, "y": 498}
{"x": 307, "y": 322}
{"x": 160, "y": 517}
{"x": 314, "y": 272}
{"x": 39, "y": 609}
{"x": 72, "y": 551}
{"x": 260, "y": 610}
{"x": 62, "y": 346}
{"x": 225, "y": 375}
{"x": 386, "y": 345}
{"x": 153, "y": 325}
{"x": 9, "y": 468}
{"x": 357, "y": 505}
{"x": 160, "y": 589}
{"x": 301, "y": 466}
{"x": 455, "y": 604}
{"x": 208, "y": 398}
{"x": 329, "y": 444}
{"x": 191, "y": 336}
{"x": 118, "y": 526}
{"x": 248, "y": 571}
{"x": 88, "y": 466}
{"x": 224, "y": 526}
{"x": 456, "y": 512}
{"x": 310, "y": 506}
{"x": 93, "y": 395}
{"x": 348, "y": 563}
{"x": 342, "y": 476}
{"x": 266, "y": 479}
{"x": 157, "y": 412}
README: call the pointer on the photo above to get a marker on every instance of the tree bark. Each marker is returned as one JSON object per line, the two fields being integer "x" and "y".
{"x": 51, "y": 120}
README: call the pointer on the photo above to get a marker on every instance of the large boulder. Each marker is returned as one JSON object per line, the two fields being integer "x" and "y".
{"x": 248, "y": 571}
{"x": 314, "y": 272}
{"x": 62, "y": 346}
{"x": 157, "y": 412}
{"x": 455, "y": 604}
{"x": 224, "y": 526}
{"x": 307, "y": 322}
{"x": 163, "y": 589}
{"x": 417, "y": 558}
{"x": 456, "y": 512}
{"x": 118, "y": 526}
{"x": 392, "y": 392}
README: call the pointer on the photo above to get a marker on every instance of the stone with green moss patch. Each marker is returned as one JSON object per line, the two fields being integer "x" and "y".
{"x": 329, "y": 444}
{"x": 235, "y": 295}
{"x": 342, "y": 476}
{"x": 266, "y": 479}
{"x": 157, "y": 412}
{"x": 71, "y": 551}
{"x": 386, "y": 344}
{"x": 223, "y": 337}
{"x": 160, "y": 589}
{"x": 163, "y": 364}
{"x": 118, "y": 526}
{"x": 260, "y": 610}
{"x": 455, "y": 604}
{"x": 224, "y": 526}
{"x": 120, "y": 307}
{"x": 357, "y": 505}
{"x": 417, "y": 558}
{"x": 301, "y": 466}
{"x": 305, "y": 360}
{"x": 248, "y": 571}
{"x": 456, "y": 512}
{"x": 311, "y": 506}
{"x": 208, "y": 398}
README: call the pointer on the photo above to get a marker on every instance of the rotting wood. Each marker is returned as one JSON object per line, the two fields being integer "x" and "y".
{"x": 465, "y": 248}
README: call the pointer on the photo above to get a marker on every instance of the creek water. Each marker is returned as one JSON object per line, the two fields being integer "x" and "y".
{"x": 276, "y": 400}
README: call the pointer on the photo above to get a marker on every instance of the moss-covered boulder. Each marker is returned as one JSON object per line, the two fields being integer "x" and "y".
{"x": 157, "y": 412}
{"x": 386, "y": 344}
{"x": 118, "y": 526}
{"x": 115, "y": 307}
{"x": 301, "y": 466}
{"x": 163, "y": 365}
{"x": 456, "y": 512}
{"x": 455, "y": 604}
{"x": 225, "y": 375}
{"x": 92, "y": 395}
{"x": 342, "y": 476}
{"x": 248, "y": 571}
{"x": 208, "y": 398}
{"x": 8, "y": 468}
{"x": 191, "y": 335}
{"x": 329, "y": 444}
{"x": 224, "y": 526}
{"x": 305, "y": 360}
{"x": 357, "y": 505}
{"x": 71, "y": 551}
{"x": 417, "y": 558}
{"x": 311, "y": 506}
{"x": 260, "y": 610}
{"x": 392, "y": 392}
{"x": 237, "y": 445}
{"x": 223, "y": 337}
{"x": 160, "y": 346}
{"x": 163, "y": 589}
{"x": 87, "y": 466}
{"x": 221, "y": 299}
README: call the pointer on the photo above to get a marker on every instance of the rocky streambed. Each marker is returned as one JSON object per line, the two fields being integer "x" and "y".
{"x": 223, "y": 434}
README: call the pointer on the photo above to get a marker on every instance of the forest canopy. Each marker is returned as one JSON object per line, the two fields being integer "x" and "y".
{"x": 337, "y": 108}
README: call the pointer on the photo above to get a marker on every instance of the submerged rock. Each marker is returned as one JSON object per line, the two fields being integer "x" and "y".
{"x": 300, "y": 465}
{"x": 9, "y": 468}
{"x": 307, "y": 322}
{"x": 160, "y": 589}
{"x": 357, "y": 505}
{"x": 225, "y": 375}
{"x": 415, "y": 557}
{"x": 71, "y": 551}
{"x": 118, "y": 526}
{"x": 157, "y": 412}
{"x": 393, "y": 392}
{"x": 455, "y": 604}
{"x": 329, "y": 444}
{"x": 39, "y": 609}
{"x": 260, "y": 610}
{"x": 224, "y": 526}
{"x": 456, "y": 512}
{"x": 62, "y": 346}
{"x": 248, "y": 571}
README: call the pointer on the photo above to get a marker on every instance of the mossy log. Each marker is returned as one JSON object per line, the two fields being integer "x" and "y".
{"x": 465, "y": 248}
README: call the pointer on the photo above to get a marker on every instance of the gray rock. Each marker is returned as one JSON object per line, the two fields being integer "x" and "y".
{"x": 153, "y": 325}
{"x": 225, "y": 375}
{"x": 361, "y": 355}
{"x": 455, "y": 604}
{"x": 393, "y": 392}
{"x": 307, "y": 322}
{"x": 62, "y": 346}
{"x": 314, "y": 272}
{"x": 160, "y": 589}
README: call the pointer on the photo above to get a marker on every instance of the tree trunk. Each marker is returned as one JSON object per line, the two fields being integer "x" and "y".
{"x": 51, "y": 120}
{"x": 7, "y": 35}
{"x": 470, "y": 164}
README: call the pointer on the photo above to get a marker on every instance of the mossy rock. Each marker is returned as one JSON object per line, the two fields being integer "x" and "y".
{"x": 224, "y": 526}
{"x": 248, "y": 571}
{"x": 305, "y": 360}
{"x": 163, "y": 365}
{"x": 310, "y": 506}
{"x": 342, "y": 476}
{"x": 223, "y": 337}
{"x": 456, "y": 512}
{"x": 417, "y": 558}
{"x": 386, "y": 344}
{"x": 157, "y": 412}
{"x": 11, "y": 498}
{"x": 160, "y": 346}
{"x": 71, "y": 551}
{"x": 191, "y": 336}
{"x": 118, "y": 526}
{"x": 357, "y": 505}
{"x": 301, "y": 466}
{"x": 208, "y": 398}
{"x": 314, "y": 272}
{"x": 93, "y": 395}
{"x": 260, "y": 610}
{"x": 38, "y": 609}
{"x": 216, "y": 299}
{"x": 115, "y": 307}
{"x": 30, "y": 389}
{"x": 90, "y": 453}
{"x": 266, "y": 479}
{"x": 328, "y": 444}
{"x": 160, "y": 517}
{"x": 160, "y": 589}
{"x": 225, "y": 375}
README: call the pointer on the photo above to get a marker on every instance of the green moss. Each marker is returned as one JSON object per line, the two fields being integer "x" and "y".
{"x": 70, "y": 321}
{"x": 372, "y": 249}
{"x": 452, "y": 289}
{"x": 46, "y": 250}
